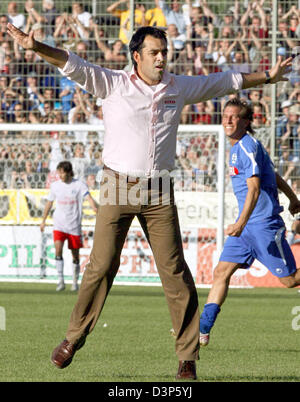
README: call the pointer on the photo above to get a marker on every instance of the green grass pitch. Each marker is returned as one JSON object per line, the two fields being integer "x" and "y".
{"x": 253, "y": 340}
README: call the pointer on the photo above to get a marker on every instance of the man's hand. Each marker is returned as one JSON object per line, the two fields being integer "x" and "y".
{"x": 234, "y": 229}
{"x": 281, "y": 68}
{"x": 26, "y": 41}
{"x": 294, "y": 206}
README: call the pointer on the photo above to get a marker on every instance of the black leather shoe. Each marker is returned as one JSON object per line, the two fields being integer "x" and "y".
{"x": 63, "y": 354}
{"x": 186, "y": 370}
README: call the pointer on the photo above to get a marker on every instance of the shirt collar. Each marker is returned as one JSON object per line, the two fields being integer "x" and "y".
{"x": 167, "y": 78}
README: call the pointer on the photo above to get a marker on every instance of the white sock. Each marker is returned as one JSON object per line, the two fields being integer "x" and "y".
{"x": 60, "y": 269}
{"x": 76, "y": 271}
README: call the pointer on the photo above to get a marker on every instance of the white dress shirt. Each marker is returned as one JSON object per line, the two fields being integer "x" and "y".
{"x": 141, "y": 123}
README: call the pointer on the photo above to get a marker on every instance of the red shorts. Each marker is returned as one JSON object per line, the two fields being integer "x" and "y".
{"x": 74, "y": 242}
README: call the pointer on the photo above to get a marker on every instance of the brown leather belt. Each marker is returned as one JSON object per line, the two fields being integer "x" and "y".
{"x": 118, "y": 175}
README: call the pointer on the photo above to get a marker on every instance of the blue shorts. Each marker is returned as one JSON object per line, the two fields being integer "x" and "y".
{"x": 264, "y": 241}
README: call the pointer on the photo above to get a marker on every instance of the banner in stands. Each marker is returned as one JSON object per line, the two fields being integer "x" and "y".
{"x": 26, "y": 253}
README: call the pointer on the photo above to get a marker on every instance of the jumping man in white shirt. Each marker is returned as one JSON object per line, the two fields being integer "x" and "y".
{"x": 141, "y": 114}
{"x": 69, "y": 195}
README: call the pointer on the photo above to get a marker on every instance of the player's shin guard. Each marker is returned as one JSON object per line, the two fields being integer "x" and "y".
{"x": 59, "y": 262}
{"x": 208, "y": 317}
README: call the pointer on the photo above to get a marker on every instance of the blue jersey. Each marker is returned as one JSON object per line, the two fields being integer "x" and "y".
{"x": 249, "y": 158}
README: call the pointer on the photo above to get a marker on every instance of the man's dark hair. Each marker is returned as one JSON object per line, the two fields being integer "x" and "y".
{"x": 66, "y": 166}
{"x": 137, "y": 41}
{"x": 245, "y": 113}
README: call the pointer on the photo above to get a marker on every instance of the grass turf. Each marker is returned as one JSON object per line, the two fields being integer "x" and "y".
{"x": 253, "y": 340}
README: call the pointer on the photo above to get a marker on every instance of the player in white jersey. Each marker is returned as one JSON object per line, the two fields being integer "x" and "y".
{"x": 69, "y": 194}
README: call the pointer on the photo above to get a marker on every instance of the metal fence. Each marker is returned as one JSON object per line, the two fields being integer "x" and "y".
{"x": 204, "y": 36}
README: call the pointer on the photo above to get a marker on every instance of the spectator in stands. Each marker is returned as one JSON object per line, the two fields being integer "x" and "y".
{"x": 290, "y": 136}
{"x": 65, "y": 34}
{"x": 203, "y": 112}
{"x": 287, "y": 163}
{"x": 292, "y": 15}
{"x": 282, "y": 121}
{"x": 256, "y": 28}
{"x": 27, "y": 63}
{"x": 115, "y": 55}
{"x": 46, "y": 18}
{"x": 19, "y": 115}
{"x": 66, "y": 93}
{"x": 49, "y": 94}
{"x": 14, "y": 16}
{"x": 222, "y": 54}
{"x": 8, "y": 104}
{"x": 91, "y": 182}
{"x": 3, "y": 22}
{"x": 47, "y": 112}
{"x": 123, "y": 15}
{"x": 79, "y": 161}
{"x": 231, "y": 21}
{"x": 41, "y": 36}
{"x": 240, "y": 61}
{"x": 176, "y": 43}
{"x": 155, "y": 16}
{"x": 174, "y": 15}
{"x": 34, "y": 94}
{"x": 82, "y": 19}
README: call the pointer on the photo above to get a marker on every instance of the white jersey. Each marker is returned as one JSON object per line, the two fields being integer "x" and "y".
{"x": 68, "y": 210}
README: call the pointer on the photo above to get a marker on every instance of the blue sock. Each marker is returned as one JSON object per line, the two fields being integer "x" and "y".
{"x": 208, "y": 317}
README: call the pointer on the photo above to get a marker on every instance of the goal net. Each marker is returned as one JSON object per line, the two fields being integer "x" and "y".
{"x": 29, "y": 156}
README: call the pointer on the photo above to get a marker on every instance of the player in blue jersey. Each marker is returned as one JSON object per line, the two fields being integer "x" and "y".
{"x": 259, "y": 231}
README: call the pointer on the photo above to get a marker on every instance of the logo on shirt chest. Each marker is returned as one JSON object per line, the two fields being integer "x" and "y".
{"x": 170, "y": 104}
{"x": 234, "y": 158}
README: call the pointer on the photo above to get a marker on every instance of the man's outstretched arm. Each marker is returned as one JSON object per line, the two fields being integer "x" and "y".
{"x": 54, "y": 56}
{"x": 276, "y": 74}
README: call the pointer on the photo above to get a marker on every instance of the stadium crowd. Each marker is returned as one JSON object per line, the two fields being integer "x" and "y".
{"x": 200, "y": 41}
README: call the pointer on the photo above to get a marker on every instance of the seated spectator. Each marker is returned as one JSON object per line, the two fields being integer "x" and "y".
{"x": 14, "y": 17}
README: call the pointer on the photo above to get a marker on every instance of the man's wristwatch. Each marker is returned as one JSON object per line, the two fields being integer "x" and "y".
{"x": 268, "y": 78}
